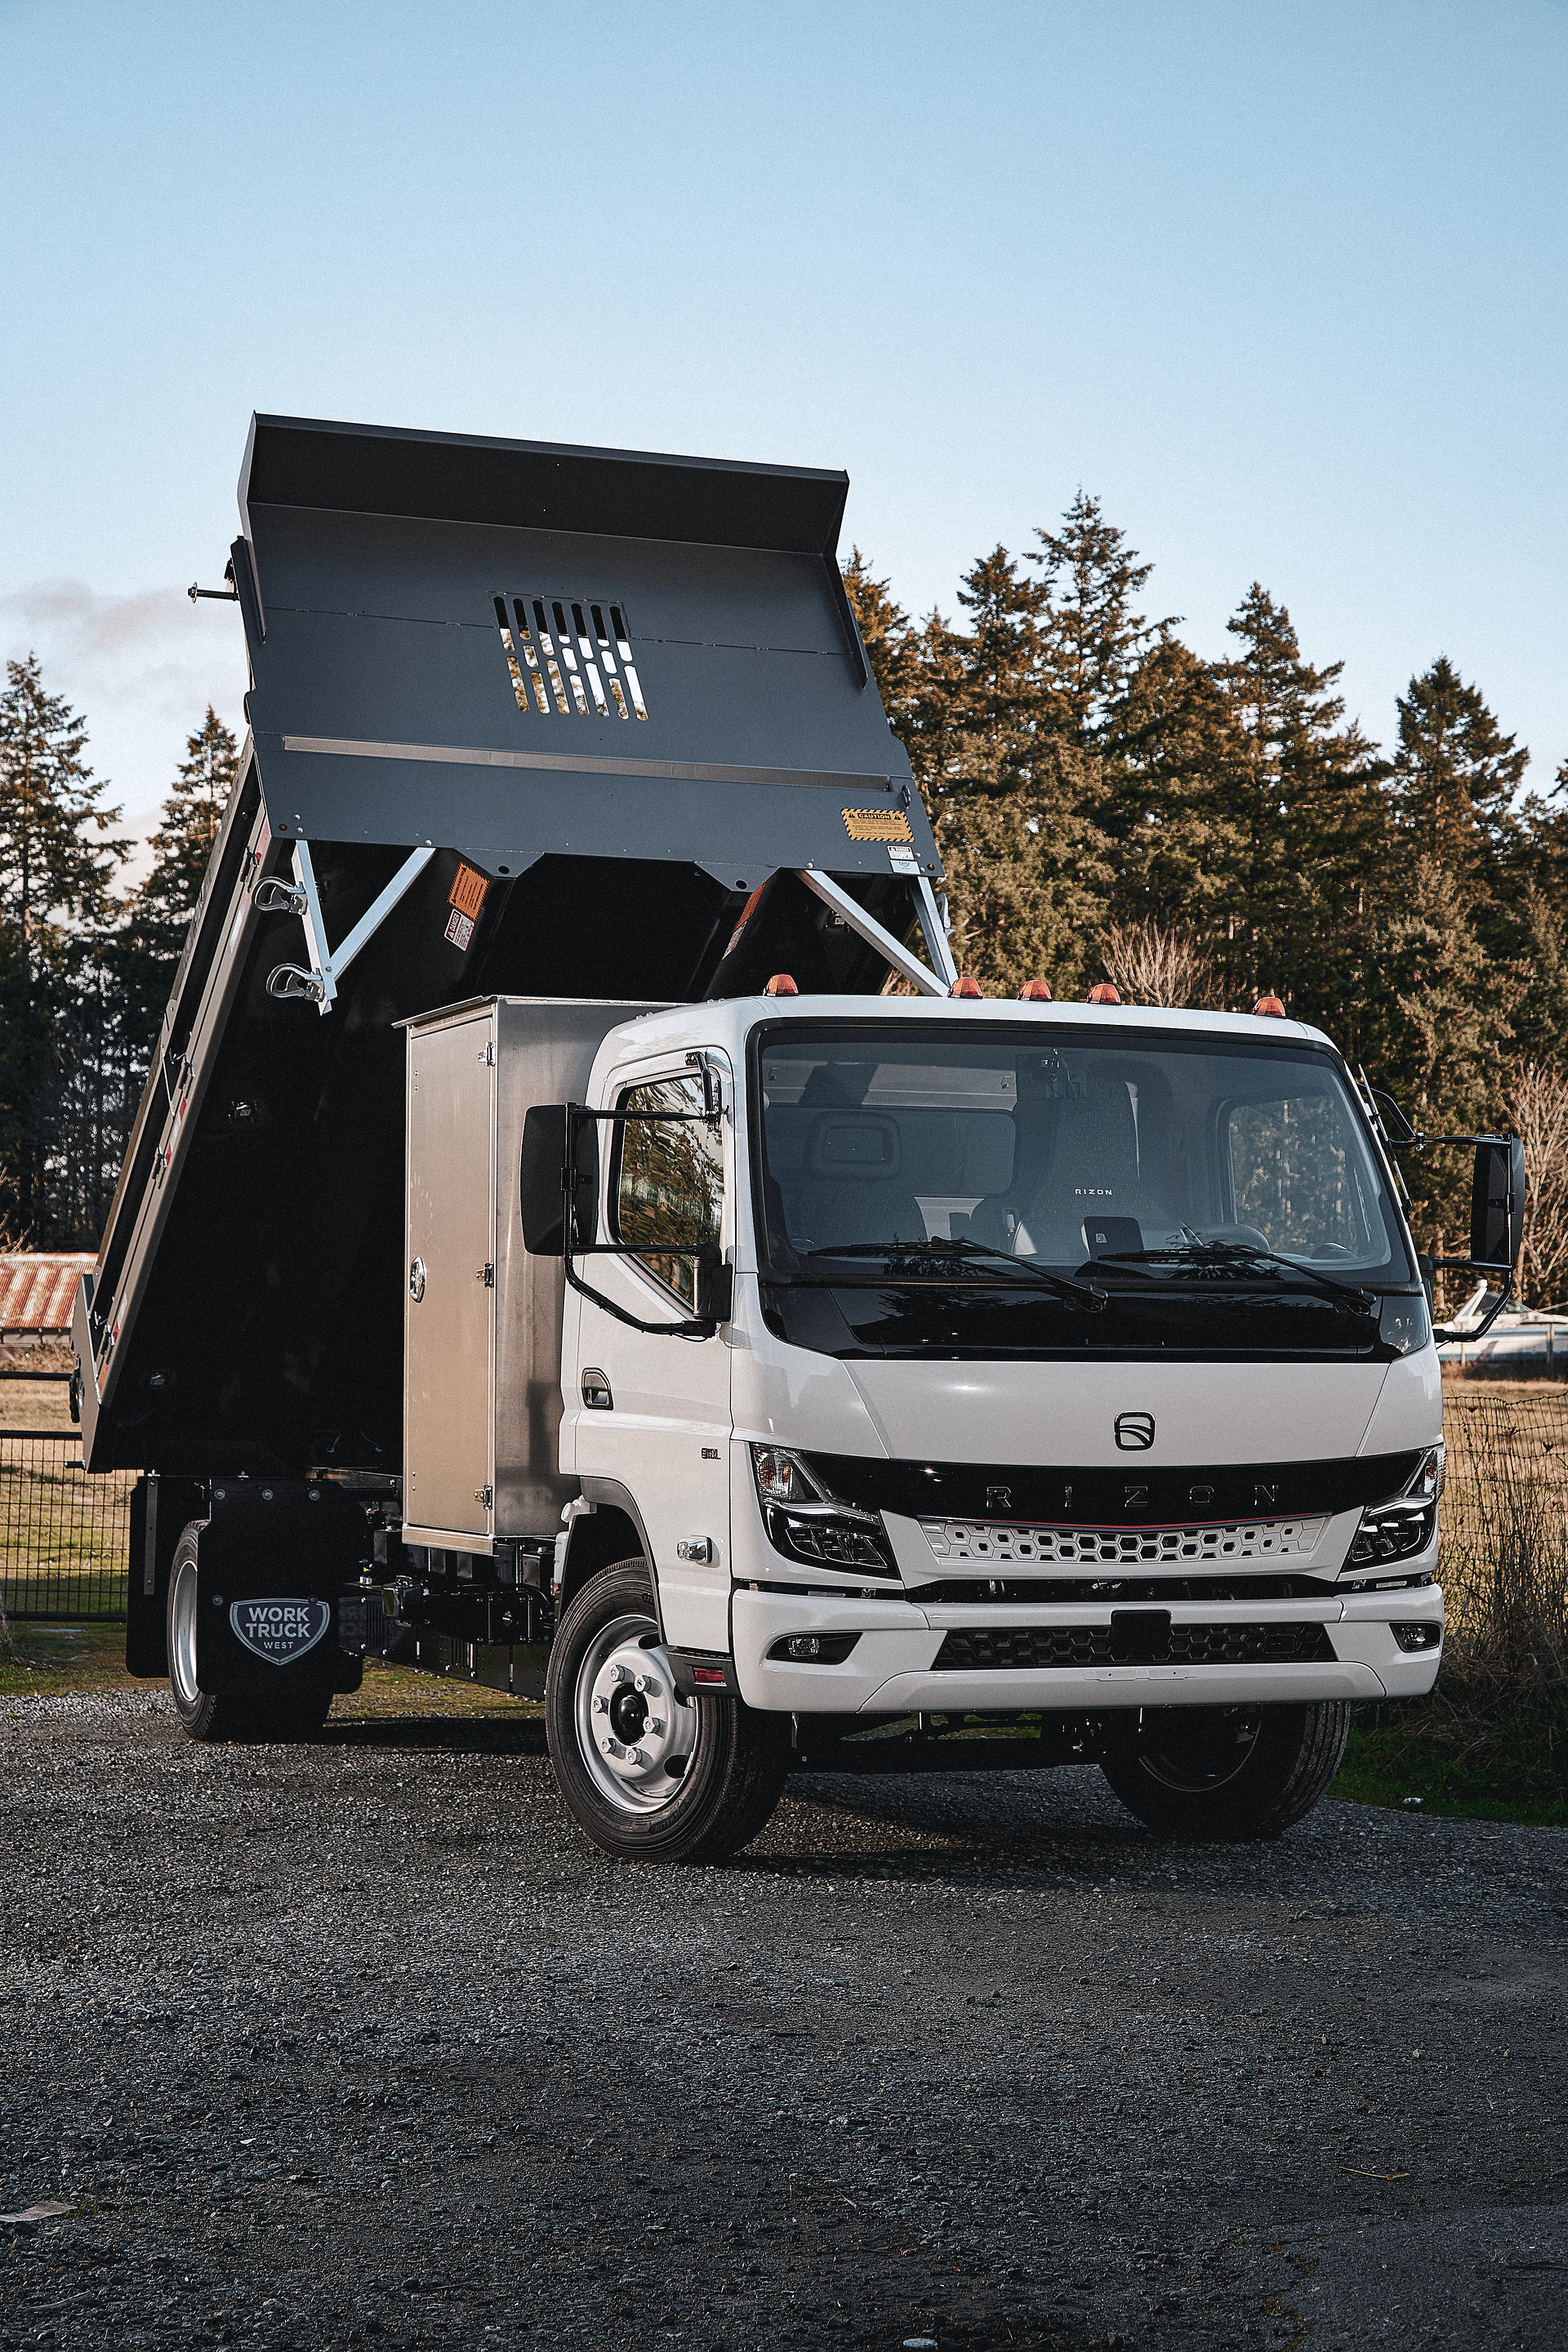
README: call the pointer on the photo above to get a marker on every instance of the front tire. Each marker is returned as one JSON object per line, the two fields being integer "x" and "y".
{"x": 651, "y": 1777}
{"x": 1224, "y": 1772}
{"x": 220, "y": 1715}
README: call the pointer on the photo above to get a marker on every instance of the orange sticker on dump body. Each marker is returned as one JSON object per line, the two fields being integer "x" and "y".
{"x": 467, "y": 892}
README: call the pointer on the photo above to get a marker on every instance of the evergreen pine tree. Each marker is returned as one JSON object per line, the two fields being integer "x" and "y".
{"x": 1311, "y": 824}
{"x": 892, "y": 642}
{"x": 984, "y": 712}
{"x": 52, "y": 873}
{"x": 1455, "y": 775}
{"x": 1091, "y": 638}
{"x": 1178, "y": 763}
{"x": 183, "y": 841}
{"x": 56, "y": 863}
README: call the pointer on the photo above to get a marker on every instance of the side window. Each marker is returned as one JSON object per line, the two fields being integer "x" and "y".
{"x": 669, "y": 1183}
{"x": 1297, "y": 1177}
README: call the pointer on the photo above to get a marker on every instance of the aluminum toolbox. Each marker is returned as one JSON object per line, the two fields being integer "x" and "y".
{"x": 481, "y": 1315}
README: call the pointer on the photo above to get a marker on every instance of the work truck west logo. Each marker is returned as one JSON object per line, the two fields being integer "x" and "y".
{"x": 279, "y": 1631}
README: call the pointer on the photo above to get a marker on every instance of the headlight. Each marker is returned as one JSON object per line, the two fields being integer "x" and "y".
{"x": 1392, "y": 1531}
{"x": 807, "y": 1522}
{"x": 1403, "y": 1525}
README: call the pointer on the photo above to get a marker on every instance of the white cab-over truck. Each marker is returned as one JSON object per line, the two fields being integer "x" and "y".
{"x": 586, "y": 1278}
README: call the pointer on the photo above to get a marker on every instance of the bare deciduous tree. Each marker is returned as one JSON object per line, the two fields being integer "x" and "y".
{"x": 1538, "y": 1101}
{"x": 1150, "y": 963}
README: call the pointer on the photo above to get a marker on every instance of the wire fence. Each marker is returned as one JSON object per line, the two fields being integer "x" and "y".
{"x": 64, "y": 1536}
{"x": 1504, "y": 1524}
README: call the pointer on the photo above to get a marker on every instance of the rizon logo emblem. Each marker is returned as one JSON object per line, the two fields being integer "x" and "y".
{"x": 279, "y": 1631}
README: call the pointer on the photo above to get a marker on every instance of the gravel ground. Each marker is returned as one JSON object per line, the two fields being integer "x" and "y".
{"x": 359, "y": 2044}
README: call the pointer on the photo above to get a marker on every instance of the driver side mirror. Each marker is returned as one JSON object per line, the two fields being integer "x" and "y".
{"x": 540, "y": 1186}
{"x": 1496, "y": 1206}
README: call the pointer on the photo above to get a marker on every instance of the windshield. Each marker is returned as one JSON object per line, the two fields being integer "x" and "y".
{"x": 1140, "y": 1164}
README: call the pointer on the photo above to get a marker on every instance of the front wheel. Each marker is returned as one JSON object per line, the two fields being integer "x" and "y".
{"x": 1224, "y": 1772}
{"x": 651, "y": 1776}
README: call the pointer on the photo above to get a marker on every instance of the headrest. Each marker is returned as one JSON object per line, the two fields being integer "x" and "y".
{"x": 846, "y": 1145}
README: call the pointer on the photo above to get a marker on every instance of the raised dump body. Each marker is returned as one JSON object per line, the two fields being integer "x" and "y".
{"x": 525, "y": 721}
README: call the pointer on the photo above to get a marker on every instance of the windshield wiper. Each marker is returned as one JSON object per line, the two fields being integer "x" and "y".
{"x": 1077, "y": 1294}
{"x": 1195, "y": 1251}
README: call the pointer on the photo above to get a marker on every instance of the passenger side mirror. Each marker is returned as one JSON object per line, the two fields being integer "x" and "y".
{"x": 540, "y": 1186}
{"x": 1497, "y": 1207}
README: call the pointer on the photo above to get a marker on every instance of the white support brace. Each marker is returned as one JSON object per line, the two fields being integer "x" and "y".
{"x": 327, "y": 967}
{"x": 908, "y": 966}
{"x": 936, "y": 932}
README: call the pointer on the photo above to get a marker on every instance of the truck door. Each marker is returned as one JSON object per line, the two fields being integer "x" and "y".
{"x": 653, "y": 1411}
{"x": 448, "y": 1318}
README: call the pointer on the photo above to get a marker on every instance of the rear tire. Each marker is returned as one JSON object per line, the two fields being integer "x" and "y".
{"x": 648, "y": 1776}
{"x": 220, "y": 1715}
{"x": 1224, "y": 1772}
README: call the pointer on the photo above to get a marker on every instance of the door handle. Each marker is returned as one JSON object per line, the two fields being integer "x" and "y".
{"x": 417, "y": 1280}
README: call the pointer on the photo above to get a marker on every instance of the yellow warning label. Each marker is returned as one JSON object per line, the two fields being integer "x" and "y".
{"x": 877, "y": 825}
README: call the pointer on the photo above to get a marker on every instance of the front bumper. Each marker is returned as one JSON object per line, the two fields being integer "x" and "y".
{"x": 892, "y": 1668}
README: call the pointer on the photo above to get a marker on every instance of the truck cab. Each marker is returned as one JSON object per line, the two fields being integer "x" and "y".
{"x": 1074, "y": 1380}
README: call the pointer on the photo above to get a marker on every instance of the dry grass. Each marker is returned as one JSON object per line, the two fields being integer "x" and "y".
{"x": 1505, "y": 1533}
{"x": 34, "y": 1405}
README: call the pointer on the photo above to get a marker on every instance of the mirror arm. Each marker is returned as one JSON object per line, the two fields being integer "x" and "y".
{"x": 1421, "y": 1141}
{"x": 697, "y": 1330}
{"x": 1485, "y": 1325}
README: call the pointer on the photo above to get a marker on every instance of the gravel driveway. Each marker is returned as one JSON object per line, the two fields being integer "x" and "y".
{"x": 358, "y": 2044}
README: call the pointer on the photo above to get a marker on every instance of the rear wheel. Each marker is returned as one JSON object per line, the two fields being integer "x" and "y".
{"x": 294, "y": 1713}
{"x": 649, "y": 1775}
{"x": 1224, "y": 1772}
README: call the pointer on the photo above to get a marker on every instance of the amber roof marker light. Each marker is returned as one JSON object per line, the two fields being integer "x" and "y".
{"x": 1270, "y": 1008}
{"x": 1102, "y": 992}
{"x": 964, "y": 986}
{"x": 781, "y": 984}
{"x": 1035, "y": 992}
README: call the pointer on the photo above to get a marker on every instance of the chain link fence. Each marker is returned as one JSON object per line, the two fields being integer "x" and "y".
{"x": 64, "y": 1536}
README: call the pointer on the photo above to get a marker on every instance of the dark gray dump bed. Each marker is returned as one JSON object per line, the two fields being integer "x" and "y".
{"x": 525, "y": 721}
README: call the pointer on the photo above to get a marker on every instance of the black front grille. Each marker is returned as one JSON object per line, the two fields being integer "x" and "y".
{"x": 995, "y": 1590}
{"x": 979, "y": 1647}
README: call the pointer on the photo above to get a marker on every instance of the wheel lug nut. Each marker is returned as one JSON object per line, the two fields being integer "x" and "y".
{"x": 601, "y": 1706}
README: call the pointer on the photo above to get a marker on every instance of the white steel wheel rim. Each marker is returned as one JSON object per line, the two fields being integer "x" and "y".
{"x": 1233, "y": 1739}
{"x": 182, "y": 1634}
{"x": 634, "y": 1734}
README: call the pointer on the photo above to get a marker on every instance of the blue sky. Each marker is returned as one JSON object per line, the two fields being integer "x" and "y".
{"x": 1284, "y": 285}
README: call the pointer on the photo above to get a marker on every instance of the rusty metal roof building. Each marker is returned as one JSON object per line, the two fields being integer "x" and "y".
{"x": 38, "y": 1293}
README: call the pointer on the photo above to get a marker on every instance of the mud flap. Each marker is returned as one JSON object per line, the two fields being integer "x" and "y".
{"x": 273, "y": 1556}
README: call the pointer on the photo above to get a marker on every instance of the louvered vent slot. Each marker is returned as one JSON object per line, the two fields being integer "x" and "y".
{"x": 573, "y": 659}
